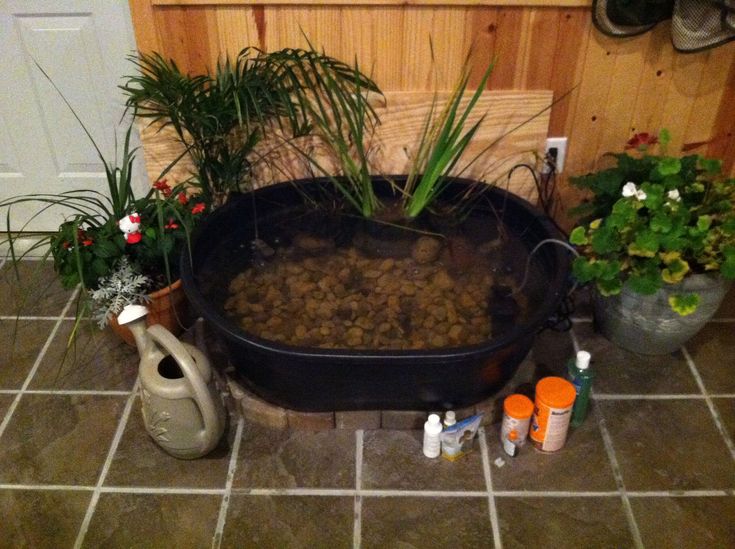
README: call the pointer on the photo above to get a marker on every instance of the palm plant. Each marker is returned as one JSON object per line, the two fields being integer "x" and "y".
{"x": 221, "y": 117}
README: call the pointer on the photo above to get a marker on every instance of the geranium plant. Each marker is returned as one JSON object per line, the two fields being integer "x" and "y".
{"x": 653, "y": 219}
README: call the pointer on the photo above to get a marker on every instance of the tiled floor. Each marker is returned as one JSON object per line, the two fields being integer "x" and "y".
{"x": 653, "y": 466}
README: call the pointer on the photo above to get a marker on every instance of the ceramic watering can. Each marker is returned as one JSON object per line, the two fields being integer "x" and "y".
{"x": 182, "y": 409}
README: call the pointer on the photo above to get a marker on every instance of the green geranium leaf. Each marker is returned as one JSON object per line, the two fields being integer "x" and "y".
{"x": 695, "y": 187}
{"x": 605, "y": 240}
{"x": 684, "y": 304}
{"x": 578, "y": 236}
{"x": 675, "y": 271}
{"x": 150, "y": 232}
{"x": 646, "y": 284}
{"x": 661, "y": 223}
{"x": 704, "y": 222}
{"x": 583, "y": 270}
{"x": 654, "y": 195}
{"x": 668, "y": 166}
{"x": 609, "y": 270}
{"x": 711, "y": 165}
{"x": 727, "y": 269}
{"x": 609, "y": 287}
{"x": 647, "y": 241}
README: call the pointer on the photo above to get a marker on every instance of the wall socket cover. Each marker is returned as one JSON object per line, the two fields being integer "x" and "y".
{"x": 560, "y": 144}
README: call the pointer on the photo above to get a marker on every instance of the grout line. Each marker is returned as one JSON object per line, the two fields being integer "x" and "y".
{"x": 378, "y": 493}
{"x": 47, "y": 487}
{"x": 64, "y": 392}
{"x": 554, "y": 494}
{"x": 612, "y": 458}
{"x": 683, "y": 494}
{"x": 41, "y": 354}
{"x": 493, "y": 510}
{"x": 106, "y": 467}
{"x": 721, "y": 320}
{"x": 622, "y": 396}
{"x": 227, "y": 493}
{"x": 711, "y": 405}
{"x": 581, "y": 319}
{"x": 628, "y": 509}
{"x": 357, "y": 527}
{"x": 160, "y": 490}
{"x": 294, "y": 491}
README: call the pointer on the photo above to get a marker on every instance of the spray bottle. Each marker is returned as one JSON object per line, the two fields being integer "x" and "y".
{"x": 581, "y": 377}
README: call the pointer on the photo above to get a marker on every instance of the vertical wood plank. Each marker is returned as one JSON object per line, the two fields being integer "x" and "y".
{"x": 144, "y": 24}
{"x": 236, "y": 29}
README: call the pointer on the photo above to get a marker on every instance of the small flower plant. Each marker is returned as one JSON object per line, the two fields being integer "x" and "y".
{"x": 124, "y": 286}
{"x": 653, "y": 219}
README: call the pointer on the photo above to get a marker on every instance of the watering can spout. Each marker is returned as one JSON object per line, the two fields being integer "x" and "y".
{"x": 134, "y": 317}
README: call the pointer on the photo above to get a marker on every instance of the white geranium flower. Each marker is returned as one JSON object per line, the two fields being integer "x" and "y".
{"x": 629, "y": 189}
{"x": 640, "y": 195}
{"x": 674, "y": 195}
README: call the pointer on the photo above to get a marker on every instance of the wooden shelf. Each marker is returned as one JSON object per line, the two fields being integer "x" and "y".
{"x": 447, "y": 3}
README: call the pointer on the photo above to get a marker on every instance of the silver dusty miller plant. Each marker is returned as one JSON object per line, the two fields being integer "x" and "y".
{"x": 123, "y": 287}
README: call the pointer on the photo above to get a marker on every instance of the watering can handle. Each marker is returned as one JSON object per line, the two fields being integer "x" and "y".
{"x": 202, "y": 396}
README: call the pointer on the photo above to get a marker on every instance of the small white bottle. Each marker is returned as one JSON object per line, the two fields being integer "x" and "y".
{"x": 432, "y": 436}
{"x": 450, "y": 418}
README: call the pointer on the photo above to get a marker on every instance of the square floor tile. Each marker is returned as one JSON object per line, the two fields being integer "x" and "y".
{"x": 271, "y": 458}
{"x": 727, "y": 309}
{"x": 582, "y": 465}
{"x": 726, "y": 408}
{"x": 395, "y": 460}
{"x": 37, "y": 291}
{"x": 618, "y": 371}
{"x": 685, "y": 522}
{"x": 40, "y": 518}
{"x": 713, "y": 352}
{"x": 97, "y": 360}
{"x": 403, "y": 522}
{"x": 153, "y": 520}
{"x": 289, "y": 521}
{"x": 139, "y": 461}
{"x": 58, "y": 439}
{"x": 668, "y": 445}
{"x": 563, "y": 522}
{"x": 20, "y": 344}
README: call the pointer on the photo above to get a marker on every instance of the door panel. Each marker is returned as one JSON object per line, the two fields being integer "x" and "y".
{"x": 82, "y": 45}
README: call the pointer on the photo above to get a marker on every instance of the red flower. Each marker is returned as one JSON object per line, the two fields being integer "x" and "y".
{"x": 66, "y": 244}
{"x": 87, "y": 242}
{"x": 183, "y": 199}
{"x": 199, "y": 208}
{"x": 171, "y": 224}
{"x": 133, "y": 238}
{"x": 162, "y": 186}
{"x": 641, "y": 140}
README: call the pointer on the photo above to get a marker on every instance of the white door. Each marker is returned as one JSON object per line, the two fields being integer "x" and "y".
{"x": 82, "y": 45}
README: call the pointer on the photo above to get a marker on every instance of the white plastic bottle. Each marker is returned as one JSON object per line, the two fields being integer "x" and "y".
{"x": 450, "y": 418}
{"x": 432, "y": 436}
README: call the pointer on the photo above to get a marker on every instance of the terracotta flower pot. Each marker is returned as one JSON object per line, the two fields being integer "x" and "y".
{"x": 167, "y": 307}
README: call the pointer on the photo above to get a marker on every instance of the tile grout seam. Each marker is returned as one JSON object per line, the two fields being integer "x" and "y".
{"x": 614, "y": 465}
{"x": 492, "y": 508}
{"x": 711, "y": 405}
{"x": 29, "y": 318}
{"x": 357, "y": 525}
{"x": 81, "y": 534}
{"x": 39, "y": 358}
{"x": 227, "y": 494}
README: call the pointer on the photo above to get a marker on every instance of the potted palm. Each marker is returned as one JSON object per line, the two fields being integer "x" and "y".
{"x": 657, "y": 240}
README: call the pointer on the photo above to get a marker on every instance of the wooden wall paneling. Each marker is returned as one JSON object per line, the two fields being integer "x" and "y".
{"x": 144, "y": 25}
{"x": 543, "y": 36}
{"x": 678, "y": 101}
{"x": 654, "y": 82}
{"x": 482, "y": 26}
{"x": 184, "y": 35}
{"x": 710, "y": 94}
{"x": 568, "y": 61}
{"x": 629, "y": 56}
{"x": 237, "y": 28}
{"x": 508, "y": 48}
{"x": 723, "y": 143}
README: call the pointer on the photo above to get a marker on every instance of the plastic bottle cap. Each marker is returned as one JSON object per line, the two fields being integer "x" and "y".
{"x": 518, "y": 406}
{"x": 512, "y": 435}
{"x": 555, "y": 392}
{"x": 450, "y": 418}
{"x": 583, "y": 360}
{"x": 434, "y": 419}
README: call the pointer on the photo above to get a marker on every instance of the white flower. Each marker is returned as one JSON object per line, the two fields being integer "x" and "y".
{"x": 629, "y": 189}
{"x": 674, "y": 195}
{"x": 640, "y": 195}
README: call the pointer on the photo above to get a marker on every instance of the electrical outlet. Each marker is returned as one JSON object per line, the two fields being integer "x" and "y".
{"x": 560, "y": 144}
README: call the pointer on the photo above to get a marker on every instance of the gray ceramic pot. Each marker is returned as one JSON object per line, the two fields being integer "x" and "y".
{"x": 646, "y": 324}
